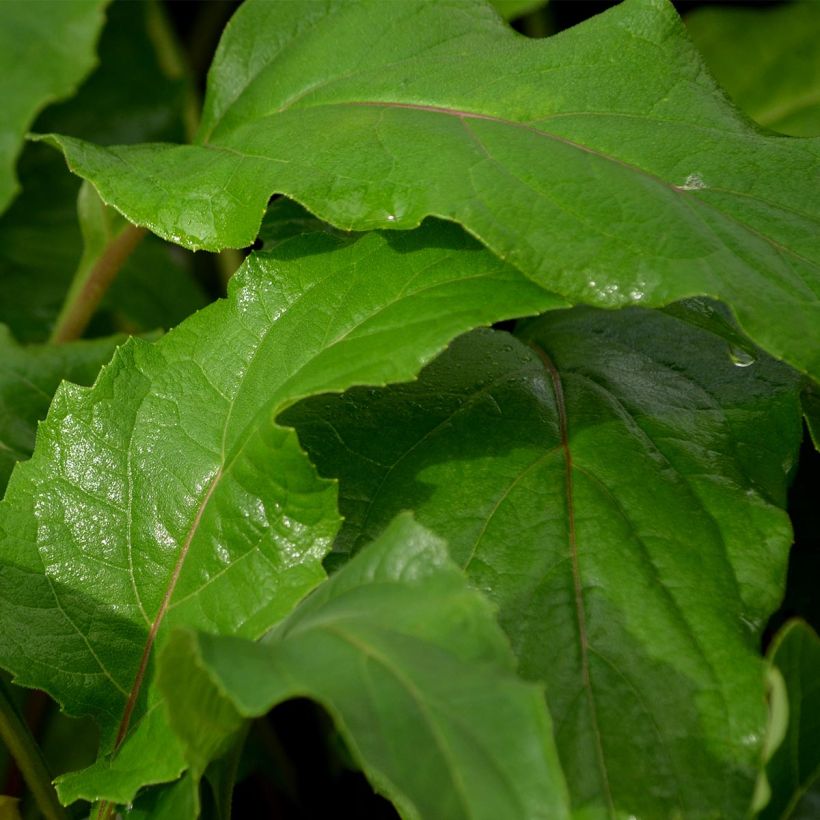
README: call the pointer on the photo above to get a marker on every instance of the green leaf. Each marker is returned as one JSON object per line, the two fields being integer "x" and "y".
{"x": 167, "y": 496}
{"x": 620, "y": 501}
{"x": 46, "y": 48}
{"x": 29, "y": 375}
{"x": 713, "y": 318}
{"x": 415, "y": 672}
{"x": 794, "y": 770}
{"x": 510, "y": 9}
{"x": 767, "y": 59}
{"x": 285, "y": 219}
{"x": 176, "y": 801}
{"x": 646, "y": 188}
{"x": 129, "y": 97}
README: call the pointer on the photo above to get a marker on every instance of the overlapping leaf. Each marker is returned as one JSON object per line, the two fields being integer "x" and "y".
{"x": 619, "y": 495}
{"x": 415, "y": 672}
{"x": 767, "y": 59}
{"x": 46, "y": 48}
{"x": 646, "y": 188}
{"x": 165, "y": 495}
{"x": 28, "y": 378}
{"x": 40, "y": 240}
{"x": 510, "y": 9}
{"x": 794, "y": 770}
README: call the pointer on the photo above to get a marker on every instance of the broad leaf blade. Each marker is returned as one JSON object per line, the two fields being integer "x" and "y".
{"x": 46, "y": 48}
{"x": 167, "y": 496}
{"x": 767, "y": 59}
{"x": 510, "y": 9}
{"x": 28, "y": 378}
{"x": 794, "y": 770}
{"x": 415, "y": 672}
{"x": 634, "y": 562}
{"x": 646, "y": 188}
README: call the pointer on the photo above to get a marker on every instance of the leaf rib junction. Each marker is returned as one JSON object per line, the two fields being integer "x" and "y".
{"x": 155, "y": 625}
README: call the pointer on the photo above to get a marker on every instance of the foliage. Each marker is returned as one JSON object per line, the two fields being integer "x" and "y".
{"x": 487, "y": 449}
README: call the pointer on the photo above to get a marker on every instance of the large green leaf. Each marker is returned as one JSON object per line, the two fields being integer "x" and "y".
{"x": 46, "y": 48}
{"x": 618, "y": 494}
{"x": 510, "y": 9}
{"x": 415, "y": 672}
{"x": 794, "y": 770}
{"x": 29, "y": 375}
{"x": 167, "y": 496}
{"x": 129, "y": 98}
{"x": 645, "y": 188}
{"x": 767, "y": 59}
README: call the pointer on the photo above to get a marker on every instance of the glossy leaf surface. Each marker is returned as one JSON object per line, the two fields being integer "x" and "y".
{"x": 646, "y": 188}
{"x": 29, "y": 375}
{"x": 166, "y": 495}
{"x": 46, "y": 48}
{"x": 767, "y": 59}
{"x": 613, "y": 496}
{"x": 415, "y": 672}
{"x": 794, "y": 770}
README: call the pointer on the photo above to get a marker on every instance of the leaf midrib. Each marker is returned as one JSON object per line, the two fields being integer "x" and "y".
{"x": 463, "y": 115}
{"x": 280, "y": 399}
{"x": 580, "y": 611}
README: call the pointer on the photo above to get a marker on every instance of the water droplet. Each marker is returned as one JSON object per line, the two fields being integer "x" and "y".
{"x": 391, "y": 217}
{"x": 740, "y": 357}
{"x": 694, "y": 182}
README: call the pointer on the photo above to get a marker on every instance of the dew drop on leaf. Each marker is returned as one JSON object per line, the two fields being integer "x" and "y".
{"x": 740, "y": 357}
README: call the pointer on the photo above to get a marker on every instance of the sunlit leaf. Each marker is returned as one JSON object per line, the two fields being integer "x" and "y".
{"x": 603, "y": 162}
{"x": 167, "y": 496}
{"x": 29, "y": 375}
{"x": 618, "y": 493}
{"x": 413, "y": 669}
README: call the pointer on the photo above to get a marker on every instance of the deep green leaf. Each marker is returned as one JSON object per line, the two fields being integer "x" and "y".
{"x": 46, "y": 48}
{"x": 128, "y": 98}
{"x": 29, "y": 375}
{"x": 767, "y": 59}
{"x": 176, "y": 801}
{"x": 620, "y": 500}
{"x": 167, "y": 496}
{"x": 794, "y": 770}
{"x": 713, "y": 317}
{"x": 413, "y": 669}
{"x": 510, "y": 9}
{"x": 646, "y": 188}
{"x": 285, "y": 219}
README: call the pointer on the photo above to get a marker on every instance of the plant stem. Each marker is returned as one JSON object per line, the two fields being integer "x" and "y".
{"x": 28, "y": 756}
{"x": 86, "y": 291}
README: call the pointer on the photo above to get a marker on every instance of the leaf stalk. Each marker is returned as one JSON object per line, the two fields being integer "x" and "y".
{"x": 28, "y": 756}
{"x": 87, "y": 290}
